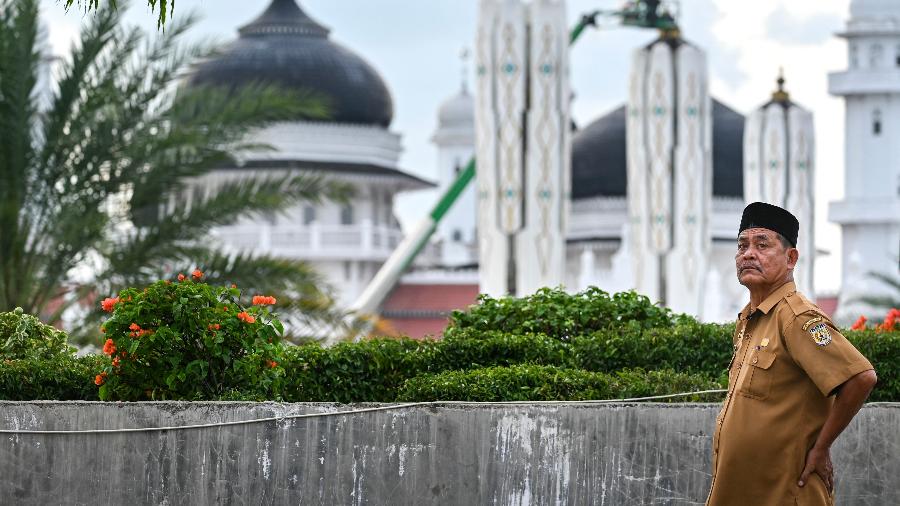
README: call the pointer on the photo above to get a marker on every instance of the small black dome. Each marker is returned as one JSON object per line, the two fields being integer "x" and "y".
{"x": 284, "y": 46}
{"x": 599, "y": 155}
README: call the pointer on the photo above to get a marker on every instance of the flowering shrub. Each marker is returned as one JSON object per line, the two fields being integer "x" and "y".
{"x": 891, "y": 322}
{"x": 24, "y": 336}
{"x": 188, "y": 340}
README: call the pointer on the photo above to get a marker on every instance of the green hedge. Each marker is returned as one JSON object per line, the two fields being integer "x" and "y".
{"x": 375, "y": 370}
{"x": 526, "y": 382}
{"x": 62, "y": 378}
{"x": 562, "y": 315}
{"x": 534, "y": 338}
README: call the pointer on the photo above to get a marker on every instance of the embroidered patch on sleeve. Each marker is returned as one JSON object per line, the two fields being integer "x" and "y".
{"x": 810, "y": 322}
{"x": 820, "y": 334}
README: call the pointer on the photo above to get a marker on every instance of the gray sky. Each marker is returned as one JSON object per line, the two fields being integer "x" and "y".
{"x": 415, "y": 45}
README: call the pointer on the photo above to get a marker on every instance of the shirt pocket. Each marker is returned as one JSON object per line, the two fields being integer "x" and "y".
{"x": 758, "y": 379}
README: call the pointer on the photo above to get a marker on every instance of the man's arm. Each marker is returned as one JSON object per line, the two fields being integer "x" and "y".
{"x": 850, "y": 397}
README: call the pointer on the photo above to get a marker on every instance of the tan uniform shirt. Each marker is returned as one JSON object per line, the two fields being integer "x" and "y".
{"x": 788, "y": 359}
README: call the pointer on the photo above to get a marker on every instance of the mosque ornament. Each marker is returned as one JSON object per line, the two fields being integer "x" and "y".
{"x": 669, "y": 172}
{"x": 779, "y": 161}
{"x": 522, "y": 144}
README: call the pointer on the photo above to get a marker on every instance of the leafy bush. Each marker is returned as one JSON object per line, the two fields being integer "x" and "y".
{"x": 370, "y": 370}
{"x": 24, "y": 336}
{"x": 883, "y": 350}
{"x": 189, "y": 340}
{"x": 526, "y": 382}
{"x": 562, "y": 315}
{"x": 61, "y": 377}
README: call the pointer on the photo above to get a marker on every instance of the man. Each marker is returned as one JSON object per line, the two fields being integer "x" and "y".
{"x": 794, "y": 382}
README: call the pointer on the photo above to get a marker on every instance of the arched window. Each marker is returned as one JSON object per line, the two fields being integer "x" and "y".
{"x": 875, "y": 53}
{"x": 854, "y": 56}
{"x": 347, "y": 214}
{"x": 876, "y": 122}
{"x": 897, "y": 55}
{"x": 457, "y": 235}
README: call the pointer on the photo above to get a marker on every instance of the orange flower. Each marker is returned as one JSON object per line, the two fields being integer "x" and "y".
{"x": 263, "y": 300}
{"x": 214, "y": 326}
{"x": 197, "y": 274}
{"x": 180, "y": 277}
{"x": 109, "y": 347}
{"x": 246, "y": 317}
{"x": 233, "y": 285}
{"x": 273, "y": 364}
{"x": 134, "y": 326}
{"x": 98, "y": 380}
{"x": 115, "y": 362}
{"x": 109, "y": 303}
{"x": 860, "y": 324}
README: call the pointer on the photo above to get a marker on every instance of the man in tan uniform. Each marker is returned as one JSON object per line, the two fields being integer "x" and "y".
{"x": 794, "y": 382}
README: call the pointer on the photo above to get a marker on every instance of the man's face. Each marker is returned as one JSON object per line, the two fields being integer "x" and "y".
{"x": 761, "y": 259}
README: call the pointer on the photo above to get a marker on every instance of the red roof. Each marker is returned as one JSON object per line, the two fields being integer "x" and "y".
{"x": 417, "y": 311}
{"x": 828, "y": 304}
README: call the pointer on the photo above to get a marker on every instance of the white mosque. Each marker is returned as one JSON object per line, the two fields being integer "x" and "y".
{"x": 671, "y": 235}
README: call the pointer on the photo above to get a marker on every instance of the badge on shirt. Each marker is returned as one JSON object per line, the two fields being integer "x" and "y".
{"x": 820, "y": 334}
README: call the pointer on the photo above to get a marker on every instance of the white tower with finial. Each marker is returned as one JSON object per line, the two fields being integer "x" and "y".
{"x": 869, "y": 214}
{"x": 779, "y": 169}
{"x": 669, "y": 189}
{"x": 455, "y": 140}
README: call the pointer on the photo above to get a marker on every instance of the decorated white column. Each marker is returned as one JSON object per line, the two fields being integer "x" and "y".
{"x": 669, "y": 172}
{"x": 522, "y": 153}
{"x": 779, "y": 169}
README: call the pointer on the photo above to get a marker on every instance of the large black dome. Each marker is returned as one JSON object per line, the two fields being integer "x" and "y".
{"x": 284, "y": 46}
{"x": 599, "y": 155}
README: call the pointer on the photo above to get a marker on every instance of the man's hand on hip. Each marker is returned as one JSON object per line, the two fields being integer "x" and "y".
{"x": 818, "y": 461}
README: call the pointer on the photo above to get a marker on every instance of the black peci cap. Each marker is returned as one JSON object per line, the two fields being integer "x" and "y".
{"x": 774, "y": 218}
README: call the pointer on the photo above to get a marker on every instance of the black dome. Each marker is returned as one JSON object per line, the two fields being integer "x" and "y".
{"x": 599, "y": 159}
{"x": 286, "y": 47}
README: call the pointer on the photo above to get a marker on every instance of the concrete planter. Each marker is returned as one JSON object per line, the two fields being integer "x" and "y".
{"x": 452, "y": 453}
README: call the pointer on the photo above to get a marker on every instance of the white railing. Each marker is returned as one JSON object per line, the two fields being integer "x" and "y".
{"x": 362, "y": 241}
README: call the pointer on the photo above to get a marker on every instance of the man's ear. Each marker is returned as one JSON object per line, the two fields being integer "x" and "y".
{"x": 793, "y": 255}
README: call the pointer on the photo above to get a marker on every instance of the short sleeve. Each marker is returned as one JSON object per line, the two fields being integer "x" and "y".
{"x": 823, "y": 352}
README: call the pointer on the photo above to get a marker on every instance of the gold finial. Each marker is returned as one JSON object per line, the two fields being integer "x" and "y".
{"x": 670, "y": 33}
{"x": 780, "y": 95}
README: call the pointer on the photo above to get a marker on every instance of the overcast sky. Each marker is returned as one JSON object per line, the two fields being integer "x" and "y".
{"x": 415, "y": 45}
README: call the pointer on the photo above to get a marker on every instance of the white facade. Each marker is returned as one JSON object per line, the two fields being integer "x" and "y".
{"x": 869, "y": 214}
{"x": 345, "y": 243}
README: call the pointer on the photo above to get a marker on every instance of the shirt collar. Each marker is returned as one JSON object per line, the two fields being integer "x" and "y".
{"x": 770, "y": 301}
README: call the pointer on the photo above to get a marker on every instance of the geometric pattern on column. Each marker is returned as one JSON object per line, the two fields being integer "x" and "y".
{"x": 521, "y": 48}
{"x": 779, "y": 168}
{"x": 541, "y": 243}
{"x": 669, "y": 187}
{"x": 687, "y": 263}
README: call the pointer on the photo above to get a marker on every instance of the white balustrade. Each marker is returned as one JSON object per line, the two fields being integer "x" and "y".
{"x": 363, "y": 241}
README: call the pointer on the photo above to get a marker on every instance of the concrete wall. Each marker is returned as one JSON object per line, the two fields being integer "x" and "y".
{"x": 451, "y": 454}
